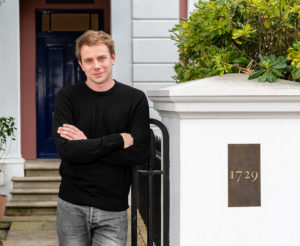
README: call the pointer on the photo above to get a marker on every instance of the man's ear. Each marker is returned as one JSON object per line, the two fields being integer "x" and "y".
{"x": 80, "y": 64}
{"x": 114, "y": 58}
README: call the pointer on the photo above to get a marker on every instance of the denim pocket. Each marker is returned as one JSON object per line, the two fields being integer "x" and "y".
{"x": 62, "y": 202}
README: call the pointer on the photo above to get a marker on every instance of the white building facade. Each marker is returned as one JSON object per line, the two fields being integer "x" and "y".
{"x": 145, "y": 56}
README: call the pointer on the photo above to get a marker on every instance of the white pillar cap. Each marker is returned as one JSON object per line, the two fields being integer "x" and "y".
{"x": 229, "y": 96}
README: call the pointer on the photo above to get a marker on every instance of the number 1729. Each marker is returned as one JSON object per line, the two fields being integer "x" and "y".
{"x": 238, "y": 175}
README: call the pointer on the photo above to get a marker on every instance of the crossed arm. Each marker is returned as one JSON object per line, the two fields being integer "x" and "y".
{"x": 71, "y": 132}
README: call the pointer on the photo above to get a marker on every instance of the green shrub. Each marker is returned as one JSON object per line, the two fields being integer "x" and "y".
{"x": 232, "y": 36}
{"x": 7, "y": 129}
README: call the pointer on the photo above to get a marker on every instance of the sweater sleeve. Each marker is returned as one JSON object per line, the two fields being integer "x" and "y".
{"x": 138, "y": 153}
{"x": 83, "y": 151}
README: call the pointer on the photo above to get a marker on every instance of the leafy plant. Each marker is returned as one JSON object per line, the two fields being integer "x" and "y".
{"x": 294, "y": 56}
{"x": 7, "y": 129}
{"x": 272, "y": 68}
{"x": 228, "y": 36}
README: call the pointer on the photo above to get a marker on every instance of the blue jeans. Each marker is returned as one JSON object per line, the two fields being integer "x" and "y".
{"x": 87, "y": 226}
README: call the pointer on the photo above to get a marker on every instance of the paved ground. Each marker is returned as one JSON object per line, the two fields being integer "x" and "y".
{"x": 37, "y": 233}
{"x": 32, "y": 238}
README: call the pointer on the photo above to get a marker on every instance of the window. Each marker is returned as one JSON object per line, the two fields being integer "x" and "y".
{"x": 70, "y": 1}
{"x": 70, "y": 21}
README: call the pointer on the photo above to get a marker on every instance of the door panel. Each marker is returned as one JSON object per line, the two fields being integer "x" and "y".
{"x": 57, "y": 67}
{"x": 56, "y": 64}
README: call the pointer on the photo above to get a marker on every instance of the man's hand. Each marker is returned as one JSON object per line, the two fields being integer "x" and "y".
{"x": 70, "y": 132}
{"x": 128, "y": 140}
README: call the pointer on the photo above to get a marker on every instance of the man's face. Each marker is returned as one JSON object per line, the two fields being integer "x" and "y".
{"x": 97, "y": 63}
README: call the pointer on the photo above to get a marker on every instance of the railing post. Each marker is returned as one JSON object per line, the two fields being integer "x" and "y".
{"x": 134, "y": 207}
{"x": 149, "y": 172}
{"x": 150, "y": 191}
{"x": 166, "y": 179}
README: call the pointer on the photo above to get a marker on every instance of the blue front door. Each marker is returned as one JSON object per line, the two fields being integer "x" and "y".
{"x": 57, "y": 67}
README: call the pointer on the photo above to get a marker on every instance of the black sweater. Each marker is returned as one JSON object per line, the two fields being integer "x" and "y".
{"x": 97, "y": 172}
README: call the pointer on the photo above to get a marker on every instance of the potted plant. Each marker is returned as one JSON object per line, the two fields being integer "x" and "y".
{"x": 258, "y": 37}
{"x": 7, "y": 130}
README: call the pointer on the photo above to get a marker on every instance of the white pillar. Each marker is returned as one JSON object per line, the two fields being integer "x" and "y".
{"x": 203, "y": 117}
{"x": 121, "y": 31}
{"x": 11, "y": 162}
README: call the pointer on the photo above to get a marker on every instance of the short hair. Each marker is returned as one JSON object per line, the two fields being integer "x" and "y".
{"x": 91, "y": 38}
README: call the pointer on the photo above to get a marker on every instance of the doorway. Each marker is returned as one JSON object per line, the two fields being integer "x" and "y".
{"x": 56, "y": 64}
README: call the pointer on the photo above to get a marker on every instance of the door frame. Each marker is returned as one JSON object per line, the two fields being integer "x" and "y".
{"x": 118, "y": 22}
{"x": 43, "y": 129}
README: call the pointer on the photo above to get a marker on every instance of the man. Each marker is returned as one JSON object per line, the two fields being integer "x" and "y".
{"x": 100, "y": 129}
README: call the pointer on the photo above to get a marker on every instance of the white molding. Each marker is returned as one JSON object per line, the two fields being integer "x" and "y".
{"x": 153, "y": 72}
{"x": 228, "y": 115}
{"x": 18, "y": 125}
{"x": 153, "y": 28}
{"x": 230, "y": 96}
{"x": 155, "y": 9}
{"x": 223, "y": 99}
{"x": 12, "y": 161}
{"x": 154, "y": 19}
{"x": 156, "y": 50}
{"x": 229, "y": 85}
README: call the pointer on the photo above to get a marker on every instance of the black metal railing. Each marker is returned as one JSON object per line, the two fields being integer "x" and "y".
{"x": 148, "y": 183}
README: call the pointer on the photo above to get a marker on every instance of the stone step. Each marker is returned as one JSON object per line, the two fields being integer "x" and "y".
{"x": 42, "y": 167}
{"x": 34, "y": 194}
{"x": 36, "y": 182}
{"x": 10, "y": 219}
{"x": 6, "y": 221}
{"x": 4, "y": 225}
{"x": 14, "y": 208}
{"x": 33, "y": 225}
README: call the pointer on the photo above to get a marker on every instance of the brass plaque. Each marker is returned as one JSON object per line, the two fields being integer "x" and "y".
{"x": 244, "y": 175}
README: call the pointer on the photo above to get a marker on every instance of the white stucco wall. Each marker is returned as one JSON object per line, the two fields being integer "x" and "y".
{"x": 204, "y": 189}
{"x": 11, "y": 161}
{"x": 154, "y": 53}
{"x": 144, "y": 58}
{"x": 145, "y": 54}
